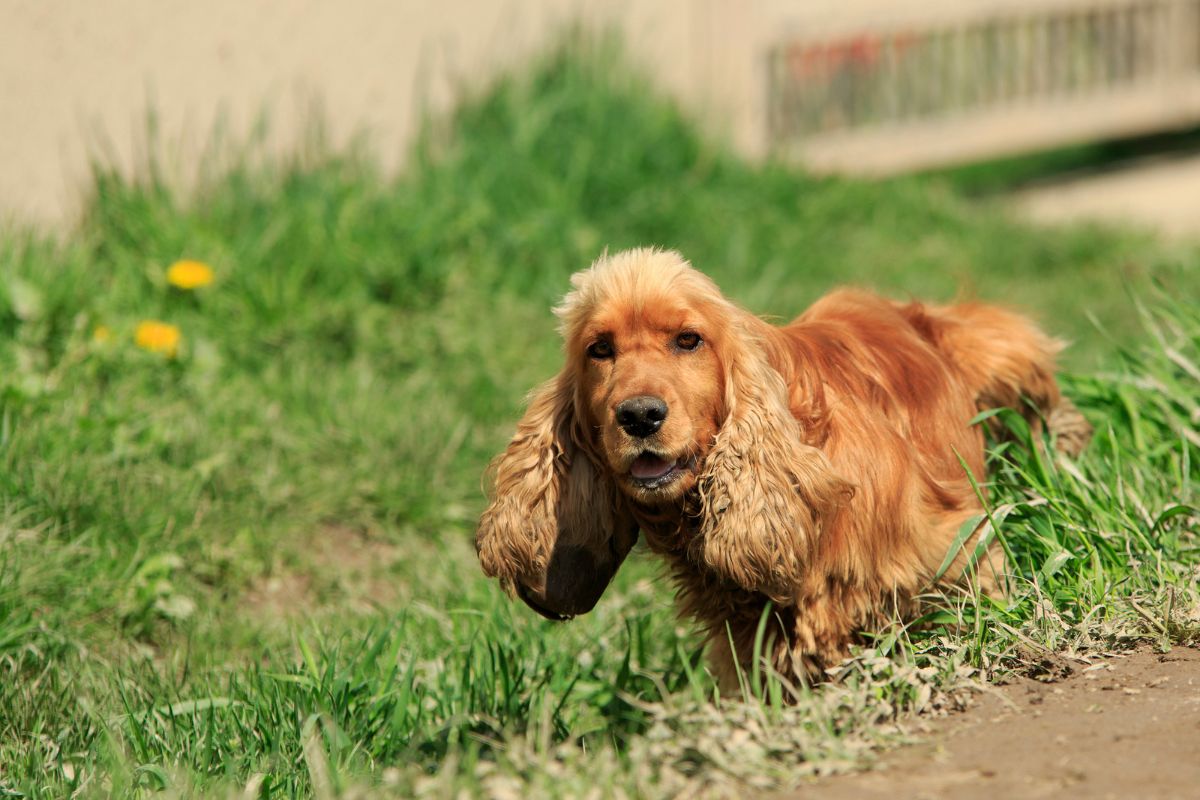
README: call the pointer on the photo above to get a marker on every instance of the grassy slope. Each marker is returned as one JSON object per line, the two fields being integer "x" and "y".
{"x": 207, "y": 562}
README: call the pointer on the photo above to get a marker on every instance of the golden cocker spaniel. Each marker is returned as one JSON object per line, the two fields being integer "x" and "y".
{"x": 814, "y": 465}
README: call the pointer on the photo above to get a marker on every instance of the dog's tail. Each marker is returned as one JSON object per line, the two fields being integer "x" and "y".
{"x": 1007, "y": 361}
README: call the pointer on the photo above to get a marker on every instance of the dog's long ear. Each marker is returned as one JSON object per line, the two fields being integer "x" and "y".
{"x": 764, "y": 494}
{"x": 556, "y": 528}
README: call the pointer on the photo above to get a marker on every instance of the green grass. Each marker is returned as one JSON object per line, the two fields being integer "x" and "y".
{"x": 251, "y": 566}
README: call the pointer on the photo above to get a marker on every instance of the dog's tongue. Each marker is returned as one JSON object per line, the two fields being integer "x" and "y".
{"x": 648, "y": 465}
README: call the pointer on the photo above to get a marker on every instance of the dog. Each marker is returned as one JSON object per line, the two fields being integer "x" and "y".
{"x": 817, "y": 466}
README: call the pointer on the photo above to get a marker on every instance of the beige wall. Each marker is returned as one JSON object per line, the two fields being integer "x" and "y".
{"x": 76, "y": 76}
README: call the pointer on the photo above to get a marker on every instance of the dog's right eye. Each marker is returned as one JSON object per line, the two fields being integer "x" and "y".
{"x": 600, "y": 350}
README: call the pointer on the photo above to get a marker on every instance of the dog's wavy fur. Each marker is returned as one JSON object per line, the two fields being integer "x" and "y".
{"x": 815, "y": 465}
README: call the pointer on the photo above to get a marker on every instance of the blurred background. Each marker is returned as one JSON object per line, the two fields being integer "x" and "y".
{"x": 871, "y": 87}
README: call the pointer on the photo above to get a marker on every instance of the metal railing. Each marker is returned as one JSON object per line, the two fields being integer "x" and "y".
{"x": 950, "y": 82}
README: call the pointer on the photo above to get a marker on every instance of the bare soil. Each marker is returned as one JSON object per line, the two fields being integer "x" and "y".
{"x": 1127, "y": 727}
{"x": 337, "y": 565}
{"x": 1161, "y": 194}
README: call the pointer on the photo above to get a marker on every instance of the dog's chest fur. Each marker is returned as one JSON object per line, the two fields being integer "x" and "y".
{"x": 673, "y": 533}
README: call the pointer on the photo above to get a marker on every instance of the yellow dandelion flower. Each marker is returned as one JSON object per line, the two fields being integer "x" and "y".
{"x": 158, "y": 337}
{"x": 188, "y": 275}
{"x": 102, "y": 334}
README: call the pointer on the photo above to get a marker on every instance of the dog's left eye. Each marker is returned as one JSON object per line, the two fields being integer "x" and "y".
{"x": 688, "y": 341}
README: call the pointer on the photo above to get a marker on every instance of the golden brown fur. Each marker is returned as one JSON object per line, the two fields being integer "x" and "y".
{"x": 815, "y": 465}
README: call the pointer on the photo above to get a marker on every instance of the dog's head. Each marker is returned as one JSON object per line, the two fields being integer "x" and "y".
{"x": 645, "y": 336}
{"x": 667, "y": 391}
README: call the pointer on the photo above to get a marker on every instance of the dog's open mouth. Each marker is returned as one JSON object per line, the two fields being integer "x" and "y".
{"x": 650, "y": 470}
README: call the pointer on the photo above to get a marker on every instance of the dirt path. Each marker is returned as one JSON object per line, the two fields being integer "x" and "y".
{"x": 1127, "y": 728}
{"x": 1160, "y": 193}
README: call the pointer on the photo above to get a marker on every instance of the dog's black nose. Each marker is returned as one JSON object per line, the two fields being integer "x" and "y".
{"x": 641, "y": 416}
